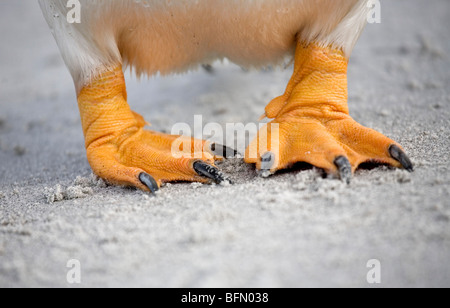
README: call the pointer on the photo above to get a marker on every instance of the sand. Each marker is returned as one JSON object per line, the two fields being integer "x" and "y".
{"x": 295, "y": 229}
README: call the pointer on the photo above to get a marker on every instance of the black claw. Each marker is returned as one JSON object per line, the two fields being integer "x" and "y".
{"x": 209, "y": 171}
{"x": 345, "y": 168}
{"x": 267, "y": 161}
{"x": 223, "y": 151}
{"x": 149, "y": 182}
{"x": 401, "y": 157}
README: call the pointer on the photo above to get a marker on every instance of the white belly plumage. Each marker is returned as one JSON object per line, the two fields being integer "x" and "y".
{"x": 168, "y": 36}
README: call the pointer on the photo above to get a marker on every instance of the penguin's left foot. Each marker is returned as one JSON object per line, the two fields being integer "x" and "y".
{"x": 312, "y": 123}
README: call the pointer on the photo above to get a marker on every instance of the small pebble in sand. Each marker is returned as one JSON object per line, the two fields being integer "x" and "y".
{"x": 20, "y": 150}
{"x": 385, "y": 112}
{"x": 414, "y": 85}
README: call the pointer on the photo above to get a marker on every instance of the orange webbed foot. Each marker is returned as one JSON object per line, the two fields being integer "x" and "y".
{"x": 312, "y": 123}
{"x": 122, "y": 152}
{"x": 339, "y": 146}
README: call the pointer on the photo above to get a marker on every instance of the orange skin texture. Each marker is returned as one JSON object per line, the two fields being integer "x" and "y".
{"x": 313, "y": 121}
{"x": 118, "y": 147}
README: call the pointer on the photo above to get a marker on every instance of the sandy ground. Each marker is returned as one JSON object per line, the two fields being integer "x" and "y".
{"x": 292, "y": 230}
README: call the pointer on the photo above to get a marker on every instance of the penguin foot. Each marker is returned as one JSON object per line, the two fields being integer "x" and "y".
{"x": 337, "y": 144}
{"x": 312, "y": 122}
{"x": 147, "y": 159}
{"x": 122, "y": 152}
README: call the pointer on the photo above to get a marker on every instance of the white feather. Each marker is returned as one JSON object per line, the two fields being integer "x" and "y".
{"x": 85, "y": 52}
